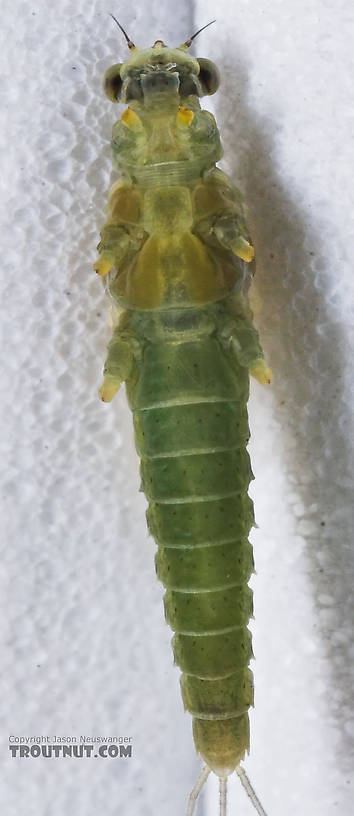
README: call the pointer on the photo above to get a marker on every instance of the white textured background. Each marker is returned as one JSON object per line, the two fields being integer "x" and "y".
{"x": 85, "y": 648}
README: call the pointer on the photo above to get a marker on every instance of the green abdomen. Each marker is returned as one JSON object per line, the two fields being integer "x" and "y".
{"x": 191, "y": 428}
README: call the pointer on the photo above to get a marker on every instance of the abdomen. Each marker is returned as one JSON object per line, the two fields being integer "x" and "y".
{"x": 189, "y": 405}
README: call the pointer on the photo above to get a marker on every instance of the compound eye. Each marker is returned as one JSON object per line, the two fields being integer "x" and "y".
{"x": 113, "y": 82}
{"x": 208, "y": 76}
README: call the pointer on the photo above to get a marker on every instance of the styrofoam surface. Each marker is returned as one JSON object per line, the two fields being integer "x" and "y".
{"x": 86, "y": 650}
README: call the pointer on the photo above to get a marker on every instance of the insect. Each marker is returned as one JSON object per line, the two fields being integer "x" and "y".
{"x": 177, "y": 260}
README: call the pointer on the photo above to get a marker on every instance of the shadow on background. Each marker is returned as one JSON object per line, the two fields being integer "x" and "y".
{"x": 303, "y": 344}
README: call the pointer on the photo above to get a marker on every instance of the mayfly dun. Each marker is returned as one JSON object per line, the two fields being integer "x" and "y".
{"x": 177, "y": 260}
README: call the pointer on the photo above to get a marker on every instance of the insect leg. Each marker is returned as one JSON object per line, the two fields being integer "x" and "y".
{"x": 224, "y": 219}
{"x": 122, "y": 234}
{"x": 240, "y": 335}
{"x": 118, "y": 365}
{"x": 250, "y": 791}
{"x": 261, "y": 372}
{"x": 193, "y": 796}
{"x": 114, "y": 245}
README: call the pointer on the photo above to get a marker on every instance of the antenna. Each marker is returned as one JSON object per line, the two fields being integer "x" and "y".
{"x": 130, "y": 43}
{"x": 188, "y": 43}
